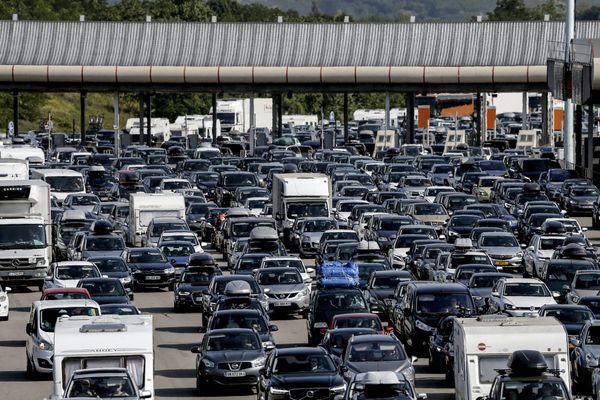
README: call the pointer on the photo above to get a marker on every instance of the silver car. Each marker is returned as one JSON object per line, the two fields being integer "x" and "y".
{"x": 286, "y": 290}
{"x": 503, "y": 248}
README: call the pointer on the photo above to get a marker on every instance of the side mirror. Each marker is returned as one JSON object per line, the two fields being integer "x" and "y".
{"x": 556, "y": 295}
{"x": 196, "y": 350}
{"x": 422, "y": 396}
{"x": 530, "y": 248}
{"x": 145, "y": 394}
{"x": 566, "y": 287}
{"x": 414, "y": 359}
{"x": 523, "y": 246}
{"x": 273, "y": 328}
{"x": 8, "y": 289}
{"x": 343, "y": 368}
{"x": 307, "y": 280}
{"x": 267, "y": 290}
{"x": 494, "y": 293}
{"x": 48, "y": 278}
{"x": 310, "y": 270}
{"x": 575, "y": 342}
{"x": 28, "y": 328}
{"x": 584, "y": 229}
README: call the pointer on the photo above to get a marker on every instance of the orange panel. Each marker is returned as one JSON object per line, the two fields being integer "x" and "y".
{"x": 559, "y": 115}
{"x": 491, "y": 118}
{"x": 424, "y": 114}
{"x": 460, "y": 111}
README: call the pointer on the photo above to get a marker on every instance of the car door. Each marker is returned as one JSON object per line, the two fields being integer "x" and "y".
{"x": 32, "y": 334}
{"x": 495, "y": 304}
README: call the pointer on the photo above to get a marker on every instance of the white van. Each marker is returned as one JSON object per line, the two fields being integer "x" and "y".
{"x": 483, "y": 345}
{"x": 14, "y": 169}
{"x": 62, "y": 181}
{"x": 104, "y": 342}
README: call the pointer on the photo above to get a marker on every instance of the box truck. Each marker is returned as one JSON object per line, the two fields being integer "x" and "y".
{"x": 143, "y": 207}
{"x": 234, "y": 115}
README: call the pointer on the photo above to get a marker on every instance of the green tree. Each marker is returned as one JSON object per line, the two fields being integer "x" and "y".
{"x": 510, "y": 10}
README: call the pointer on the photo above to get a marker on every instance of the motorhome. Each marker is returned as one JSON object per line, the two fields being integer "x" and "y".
{"x": 159, "y": 128}
{"x": 143, "y": 207}
{"x": 25, "y": 231}
{"x": 201, "y": 125}
{"x": 84, "y": 342}
{"x": 483, "y": 345}
{"x": 62, "y": 182}
{"x": 235, "y": 114}
{"x": 34, "y": 155}
{"x": 14, "y": 169}
{"x": 300, "y": 120}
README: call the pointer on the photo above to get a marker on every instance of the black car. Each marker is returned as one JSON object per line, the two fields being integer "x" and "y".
{"x": 150, "y": 267}
{"x": 422, "y": 307}
{"x": 119, "y": 309}
{"x": 228, "y": 357}
{"x": 114, "y": 267}
{"x": 572, "y": 316}
{"x": 105, "y": 290}
{"x": 300, "y": 373}
{"x": 326, "y": 303}
{"x": 335, "y": 340}
{"x": 246, "y": 319}
{"x": 192, "y": 285}
{"x": 381, "y": 285}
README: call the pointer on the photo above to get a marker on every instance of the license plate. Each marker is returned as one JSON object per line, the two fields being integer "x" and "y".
{"x": 502, "y": 263}
{"x": 198, "y": 299}
{"x": 234, "y": 374}
{"x": 153, "y": 278}
{"x": 16, "y": 273}
{"x": 283, "y": 304}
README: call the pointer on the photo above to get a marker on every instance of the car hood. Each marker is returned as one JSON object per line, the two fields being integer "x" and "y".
{"x": 82, "y": 208}
{"x": 66, "y": 283}
{"x": 368, "y": 366}
{"x": 280, "y": 289}
{"x": 315, "y": 237}
{"x": 529, "y": 301}
{"x": 501, "y": 251}
{"x": 147, "y": 266}
{"x": 85, "y": 254}
{"x": 461, "y": 228}
{"x": 306, "y": 380}
{"x": 234, "y": 355}
{"x": 432, "y": 218}
{"x": 584, "y": 199}
{"x": 481, "y": 292}
{"x": 381, "y": 294}
{"x": 116, "y": 274}
{"x": 195, "y": 287}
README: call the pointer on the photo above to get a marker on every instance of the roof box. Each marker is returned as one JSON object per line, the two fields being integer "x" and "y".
{"x": 264, "y": 233}
{"x": 531, "y": 187}
{"x": 463, "y": 244}
{"x": 527, "y": 363}
{"x": 102, "y": 227}
{"x": 237, "y": 288}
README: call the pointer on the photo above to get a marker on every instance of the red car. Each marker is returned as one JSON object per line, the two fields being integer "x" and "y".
{"x": 360, "y": 320}
{"x": 65, "y": 294}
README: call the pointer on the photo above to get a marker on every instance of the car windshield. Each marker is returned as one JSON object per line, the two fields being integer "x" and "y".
{"x": 159, "y": 228}
{"x": 464, "y": 220}
{"x": 318, "y": 225}
{"x": 232, "y": 342}
{"x": 197, "y": 277}
{"x": 256, "y": 203}
{"x": 76, "y": 272}
{"x": 291, "y": 277}
{"x": 483, "y": 281}
{"x": 565, "y": 272}
{"x": 587, "y": 282}
{"x": 365, "y": 270}
{"x": 84, "y": 200}
{"x": 498, "y": 241}
{"x": 298, "y": 264}
{"x": 487, "y": 182}
{"x": 391, "y": 224}
{"x": 515, "y": 389}
{"x": 178, "y": 250}
{"x": 295, "y": 210}
{"x": 399, "y": 391}
{"x": 584, "y": 191}
{"x": 119, "y": 309}
{"x": 239, "y": 179}
{"x": 104, "y": 288}
{"x": 66, "y": 296}
{"x": 146, "y": 257}
{"x": 561, "y": 175}
{"x": 404, "y": 241}
{"x": 190, "y": 238}
{"x": 460, "y": 259}
{"x": 526, "y": 289}
{"x": 102, "y": 387}
{"x": 110, "y": 243}
{"x": 376, "y": 351}
{"x": 593, "y": 303}
{"x": 243, "y": 229}
{"x": 466, "y": 272}
{"x": 341, "y": 301}
{"x": 492, "y": 165}
{"x": 303, "y": 363}
{"x": 570, "y": 316}
{"x": 109, "y": 265}
{"x": 346, "y": 206}
{"x": 550, "y": 243}
{"x": 388, "y": 282}
{"x": 429, "y": 209}
{"x": 254, "y": 321}
{"x": 49, "y": 316}
{"x": 443, "y": 303}
{"x": 62, "y": 184}
{"x": 358, "y": 322}
{"x": 593, "y": 335}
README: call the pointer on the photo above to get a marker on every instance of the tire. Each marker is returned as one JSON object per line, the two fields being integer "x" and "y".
{"x": 177, "y": 308}
{"x": 199, "y": 385}
{"x": 4, "y": 318}
{"x": 31, "y": 372}
{"x": 594, "y": 222}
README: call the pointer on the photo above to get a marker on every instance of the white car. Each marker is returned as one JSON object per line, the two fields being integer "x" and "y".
{"x": 295, "y": 262}
{"x": 187, "y": 236}
{"x": 432, "y": 191}
{"x": 256, "y": 205}
{"x": 520, "y": 296}
{"x": 571, "y": 225}
{"x": 540, "y": 250}
{"x": 344, "y": 208}
{"x": 67, "y": 274}
{"x": 4, "y": 303}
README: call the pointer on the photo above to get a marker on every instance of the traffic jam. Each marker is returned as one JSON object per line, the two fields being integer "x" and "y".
{"x": 472, "y": 260}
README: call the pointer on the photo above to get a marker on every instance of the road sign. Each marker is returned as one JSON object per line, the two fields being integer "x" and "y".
{"x": 11, "y": 128}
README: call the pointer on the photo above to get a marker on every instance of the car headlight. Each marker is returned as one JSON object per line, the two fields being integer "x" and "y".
{"x": 452, "y": 233}
{"x": 43, "y": 345}
{"x": 170, "y": 270}
{"x": 304, "y": 292}
{"x": 42, "y": 262}
{"x": 423, "y": 326}
{"x": 258, "y": 363}
{"x": 477, "y": 298}
{"x": 207, "y": 363}
{"x": 508, "y": 306}
{"x": 339, "y": 389}
{"x": 126, "y": 279}
{"x": 273, "y": 390}
{"x": 3, "y": 297}
{"x": 183, "y": 293}
{"x": 305, "y": 238}
{"x": 409, "y": 373}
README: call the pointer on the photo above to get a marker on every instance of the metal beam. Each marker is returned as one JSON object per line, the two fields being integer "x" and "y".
{"x": 590, "y": 137}
{"x": 116, "y": 125}
{"x": 16, "y": 111}
{"x": 545, "y": 120}
{"x": 478, "y": 119}
{"x": 82, "y": 96}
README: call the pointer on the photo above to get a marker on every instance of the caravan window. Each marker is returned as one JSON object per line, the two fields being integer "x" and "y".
{"x": 135, "y": 366}
{"x": 488, "y": 366}
{"x": 147, "y": 216}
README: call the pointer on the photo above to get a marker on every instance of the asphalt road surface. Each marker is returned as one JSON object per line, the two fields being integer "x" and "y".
{"x": 174, "y": 335}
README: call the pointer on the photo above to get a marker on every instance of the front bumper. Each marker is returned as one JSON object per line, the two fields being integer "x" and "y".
{"x": 153, "y": 279}
{"x": 4, "y": 310}
{"x": 293, "y": 304}
{"x": 43, "y": 360}
{"x": 228, "y": 377}
{"x": 508, "y": 263}
{"x": 309, "y": 247}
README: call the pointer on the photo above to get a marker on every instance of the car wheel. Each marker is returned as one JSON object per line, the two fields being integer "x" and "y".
{"x": 4, "y": 318}
{"x": 177, "y": 308}
{"x": 594, "y": 221}
{"x": 198, "y": 384}
{"x": 171, "y": 287}
{"x": 31, "y": 372}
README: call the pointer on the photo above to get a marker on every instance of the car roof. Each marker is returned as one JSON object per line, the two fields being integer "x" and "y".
{"x": 373, "y": 338}
{"x": 290, "y": 351}
{"x": 435, "y": 287}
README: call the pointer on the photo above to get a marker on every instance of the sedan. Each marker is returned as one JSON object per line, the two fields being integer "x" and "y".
{"x": 68, "y": 273}
{"x": 229, "y": 357}
{"x": 503, "y": 248}
{"x": 376, "y": 353}
{"x": 285, "y": 288}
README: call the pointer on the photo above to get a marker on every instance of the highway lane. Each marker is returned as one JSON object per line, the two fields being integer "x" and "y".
{"x": 174, "y": 336}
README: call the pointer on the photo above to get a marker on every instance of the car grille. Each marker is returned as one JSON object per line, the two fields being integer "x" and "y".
{"x": 280, "y": 296}
{"x": 502, "y": 257}
{"x": 234, "y": 366}
{"x": 15, "y": 263}
{"x": 309, "y": 394}
{"x": 152, "y": 271}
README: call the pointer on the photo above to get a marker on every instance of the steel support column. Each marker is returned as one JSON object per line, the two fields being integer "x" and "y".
{"x": 82, "y": 122}
{"x": 589, "y": 162}
{"x": 410, "y": 118}
{"x": 214, "y": 118}
{"x": 149, "y": 120}
{"x": 346, "y": 132}
{"x": 279, "y": 114}
{"x": 16, "y": 112}
{"x": 478, "y": 119}
{"x": 545, "y": 121}
{"x": 578, "y": 133}
{"x": 141, "y": 130}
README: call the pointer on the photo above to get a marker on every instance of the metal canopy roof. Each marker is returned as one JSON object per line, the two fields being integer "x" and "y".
{"x": 290, "y": 45}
